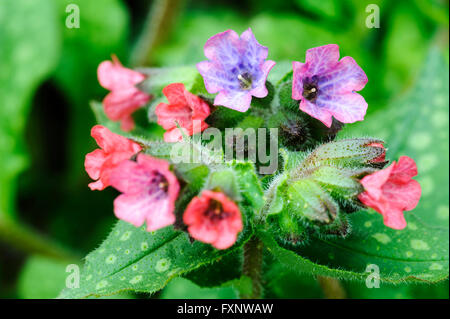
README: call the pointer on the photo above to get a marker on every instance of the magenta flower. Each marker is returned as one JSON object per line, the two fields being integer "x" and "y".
{"x": 326, "y": 86}
{"x": 237, "y": 69}
{"x": 392, "y": 191}
{"x": 149, "y": 192}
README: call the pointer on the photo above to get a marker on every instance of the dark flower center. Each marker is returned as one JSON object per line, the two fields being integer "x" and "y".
{"x": 310, "y": 88}
{"x": 215, "y": 211}
{"x": 245, "y": 80}
{"x": 159, "y": 186}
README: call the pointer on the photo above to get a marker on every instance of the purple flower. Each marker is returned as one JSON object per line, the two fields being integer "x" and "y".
{"x": 237, "y": 69}
{"x": 326, "y": 86}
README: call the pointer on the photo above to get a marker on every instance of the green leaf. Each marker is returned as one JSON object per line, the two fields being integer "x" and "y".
{"x": 359, "y": 290}
{"x": 181, "y": 288}
{"x": 52, "y": 278}
{"x": 300, "y": 264}
{"x": 327, "y": 8}
{"x": 226, "y": 268}
{"x": 405, "y": 46}
{"x": 134, "y": 259}
{"x": 184, "y": 48}
{"x": 418, "y": 253}
{"x": 29, "y": 48}
{"x": 416, "y": 126}
{"x": 282, "y": 282}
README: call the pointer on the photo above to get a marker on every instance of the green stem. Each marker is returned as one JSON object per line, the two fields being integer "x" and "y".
{"x": 331, "y": 287}
{"x": 156, "y": 27}
{"x": 27, "y": 240}
{"x": 253, "y": 255}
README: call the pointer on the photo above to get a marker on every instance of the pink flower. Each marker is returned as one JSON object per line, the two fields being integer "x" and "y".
{"x": 114, "y": 149}
{"x": 392, "y": 191}
{"x": 187, "y": 109}
{"x": 124, "y": 97}
{"x": 149, "y": 192}
{"x": 237, "y": 68}
{"x": 213, "y": 218}
{"x": 326, "y": 86}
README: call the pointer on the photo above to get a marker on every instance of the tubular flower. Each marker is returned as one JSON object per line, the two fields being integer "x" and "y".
{"x": 113, "y": 150}
{"x": 237, "y": 68}
{"x": 391, "y": 191}
{"x": 149, "y": 192}
{"x": 326, "y": 86}
{"x": 184, "y": 108}
{"x": 124, "y": 97}
{"x": 213, "y": 218}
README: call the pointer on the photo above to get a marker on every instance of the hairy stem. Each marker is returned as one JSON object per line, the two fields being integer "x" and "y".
{"x": 253, "y": 253}
{"x": 156, "y": 27}
{"x": 331, "y": 287}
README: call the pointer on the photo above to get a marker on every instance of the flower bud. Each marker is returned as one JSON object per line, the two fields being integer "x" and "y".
{"x": 318, "y": 189}
{"x": 310, "y": 202}
{"x": 288, "y": 231}
{"x": 348, "y": 152}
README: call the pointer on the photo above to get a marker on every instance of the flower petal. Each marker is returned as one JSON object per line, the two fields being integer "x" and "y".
{"x": 405, "y": 169}
{"x": 121, "y": 103}
{"x": 111, "y": 142}
{"x": 227, "y": 237}
{"x": 345, "y": 77}
{"x": 260, "y": 89}
{"x": 161, "y": 215}
{"x": 252, "y": 50}
{"x": 223, "y": 48}
{"x": 168, "y": 115}
{"x": 129, "y": 177}
{"x": 402, "y": 196}
{"x": 93, "y": 163}
{"x": 175, "y": 93}
{"x": 299, "y": 72}
{"x": 346, "y": 108}
{"x": 322, "y": 59}
{"x": 133, "y": 208}
{"x": 113, "y": 76}
{"x": 239, "y": 101}
{"x": 374, "y": 182}
{"x": 320, "y": 113}
{"x": 217, "y": 79}
{"x": 394, "y": 219}
{"x": 203, "y": 232}
{"x": 98, "y": 185}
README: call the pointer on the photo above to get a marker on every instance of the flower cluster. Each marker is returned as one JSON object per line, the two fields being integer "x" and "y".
{"x": 237, "y": 70}
{"x": 150, "y": 189}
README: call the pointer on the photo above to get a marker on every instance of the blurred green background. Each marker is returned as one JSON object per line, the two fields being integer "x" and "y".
{"x": 49, "y": 217}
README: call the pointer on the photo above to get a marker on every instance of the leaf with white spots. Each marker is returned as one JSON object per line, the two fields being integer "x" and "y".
{"x": 133, "y": 259}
